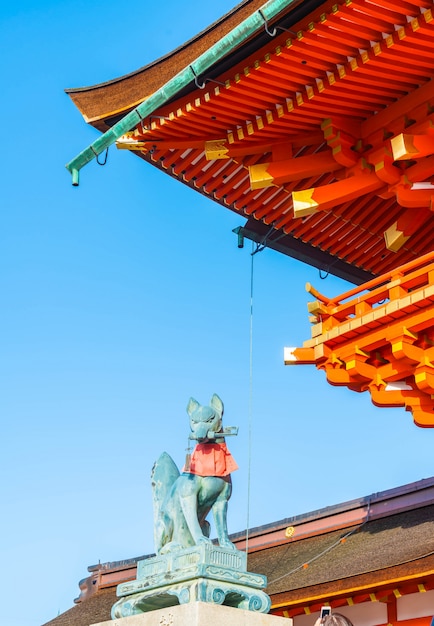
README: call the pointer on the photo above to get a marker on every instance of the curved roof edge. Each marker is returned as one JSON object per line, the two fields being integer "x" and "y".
{"x": 165, "y": 57}
{"x": 118, "y": 95}
{"x": 174, "y": 83}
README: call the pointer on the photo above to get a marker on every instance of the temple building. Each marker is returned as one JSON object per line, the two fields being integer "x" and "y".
{"x": 370, "y": 559}
{"x": 313, "y": 121}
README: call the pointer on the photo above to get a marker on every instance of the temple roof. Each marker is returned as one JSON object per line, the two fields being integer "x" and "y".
{"x": 101, "y": 104}
{"x": 312, "y": 120}
{"x": 369, "y": 549}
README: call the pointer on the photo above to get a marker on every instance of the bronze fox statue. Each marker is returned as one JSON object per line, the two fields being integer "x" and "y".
{"x": 183, "y": 500}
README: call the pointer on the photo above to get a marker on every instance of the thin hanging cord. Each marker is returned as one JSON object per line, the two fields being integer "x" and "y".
{"x": 249, "y": 465}
{"x": 334, "y": 545}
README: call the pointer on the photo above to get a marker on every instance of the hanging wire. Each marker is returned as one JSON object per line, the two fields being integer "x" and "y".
{"x": 333, "y": 545}
{"x": 249, "y": 445}
{"x": 264, "y": 241}
{"x": 256, "y": 247}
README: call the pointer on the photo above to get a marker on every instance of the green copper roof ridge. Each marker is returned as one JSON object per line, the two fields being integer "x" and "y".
{"x": 229, "y": 42}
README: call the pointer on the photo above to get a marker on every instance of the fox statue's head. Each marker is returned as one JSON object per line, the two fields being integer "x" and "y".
{"x": 205, "y": 421}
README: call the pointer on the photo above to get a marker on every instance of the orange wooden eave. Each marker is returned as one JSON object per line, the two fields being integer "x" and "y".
{"x": 353, "y": 95}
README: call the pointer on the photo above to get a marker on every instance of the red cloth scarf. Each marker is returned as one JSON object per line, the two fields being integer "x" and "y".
{"x": 211, "y": 459}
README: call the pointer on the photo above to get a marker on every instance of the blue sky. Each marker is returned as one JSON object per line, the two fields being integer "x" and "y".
{"x": 120, "y": 300}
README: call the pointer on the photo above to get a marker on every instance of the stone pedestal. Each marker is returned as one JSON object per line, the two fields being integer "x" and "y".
{"x": 203, "y": 573}
{"x": 199, "y": 614}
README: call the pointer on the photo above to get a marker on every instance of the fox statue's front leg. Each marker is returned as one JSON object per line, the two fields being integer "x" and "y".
{"x": 219, "y": 510}
{"x": 188, "y": 489}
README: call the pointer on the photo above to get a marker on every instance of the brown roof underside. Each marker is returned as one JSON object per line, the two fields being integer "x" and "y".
{"x": 98, "y": 102}
{"x": 95, "y": 609}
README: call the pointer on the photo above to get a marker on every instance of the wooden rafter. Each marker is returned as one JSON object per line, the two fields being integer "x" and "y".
{"x": 356, "y": 87}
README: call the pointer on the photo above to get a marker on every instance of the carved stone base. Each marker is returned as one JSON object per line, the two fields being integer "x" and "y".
{"x": 199, "y": 614}
{"x": 204, "y": 573}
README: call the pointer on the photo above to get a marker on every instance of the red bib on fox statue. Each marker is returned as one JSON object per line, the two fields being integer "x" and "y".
{"x": 211, "y": 459}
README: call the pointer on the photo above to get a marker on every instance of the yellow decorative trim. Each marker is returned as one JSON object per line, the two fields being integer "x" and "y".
{"x": 259, "y": 177}
{"x": 354, "y": 590}
{"x": 304, "y": 204}
{"x": 129, "y": 142}
{"x": 216, "y": 150}
{"x": 289, "y": 532}
{"x": 394, "y": 238}
{"x": 402, "y": 146}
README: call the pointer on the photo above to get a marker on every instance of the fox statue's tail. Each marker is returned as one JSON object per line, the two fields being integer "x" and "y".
{"x": 163, "y": 475}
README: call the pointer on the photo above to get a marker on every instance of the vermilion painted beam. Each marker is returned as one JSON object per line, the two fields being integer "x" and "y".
{"x": 334, "y": 20}
{"x": 299, "y": 355}
{"x": 222, "y": 149}
{"x": 405, "y": 226}
{"x": 352, "y": 11}
{"x": 399, "y": 109}
{"x": 409, "y": 197}
{"x": 421, "y": 171}
{"x": 405, "y": 146}
{"x": 309, "y": 201}
{"x": 279, "y": 172}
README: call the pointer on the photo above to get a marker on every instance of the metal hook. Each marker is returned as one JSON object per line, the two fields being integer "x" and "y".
{"x": 323, "y": 274}
{"x": 206, "y": 80}
{"x": 272, "y": 33}
{"x": 196, "y": 82}
{"x": 196, "y": 79}
{"x": 142, "y": 122}
{"x": 263, "y": 244}
{"x": 97, "y": 156}
{"x": 259, "y": 248}
{"x": 158, "y": 117}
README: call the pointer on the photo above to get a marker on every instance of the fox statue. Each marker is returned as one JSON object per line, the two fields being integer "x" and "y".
{"x": 183, "y": 500}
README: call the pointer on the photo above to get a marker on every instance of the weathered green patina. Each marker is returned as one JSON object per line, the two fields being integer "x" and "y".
{"x": 183, "y": 501}
{"x": 204, "y": 573}
{"x": 200, "y": 66}
{"x": 189, "y": 567}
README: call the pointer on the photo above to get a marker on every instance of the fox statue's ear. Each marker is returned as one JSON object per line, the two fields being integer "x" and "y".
{"x": 192, "y": 406}
{"x": 217, "y": 404}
